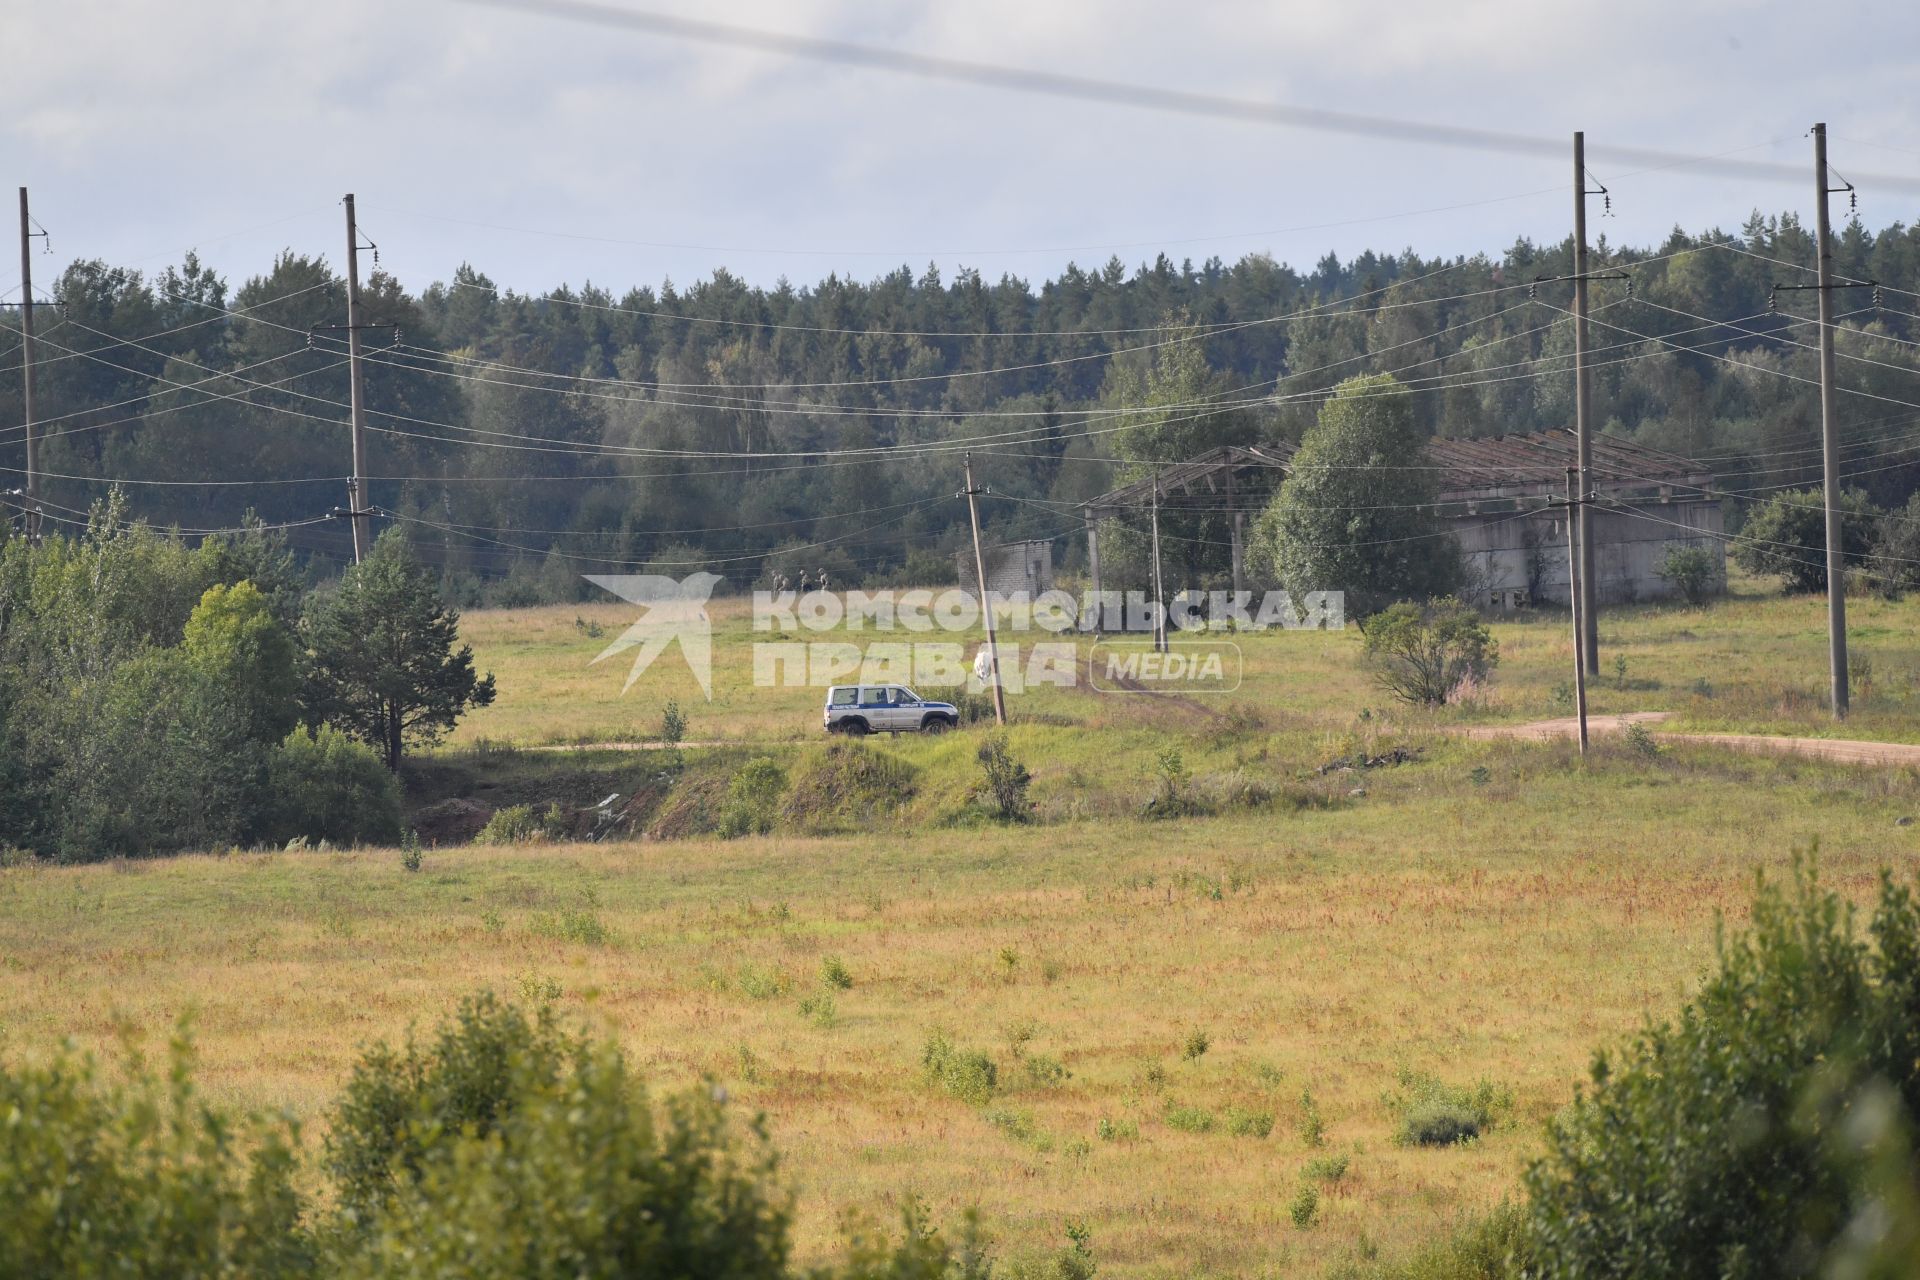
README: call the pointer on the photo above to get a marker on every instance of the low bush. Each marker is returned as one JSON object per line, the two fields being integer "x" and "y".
{"x": 1304, "y": 1209}
{"x": 506, "y": 1147}
{"x": 1435, "y": 1114}
{"x": 834, "y": 973}
{"x": 1189, "y": 1119}
{"x": 1425, "y": 655}
{"x": 1692, "y": 572}
{"x": 969, "y": 1075}
{"x": 753, "y": 798}
{"x": 325, "y": 786}
{"x": 1327, "y": 1168}
{"x": 515, "y": 824}
{"x": 1006, "y": 781}
{"x": 140, "y": 1176}
{"x": 1244, "y": 1123}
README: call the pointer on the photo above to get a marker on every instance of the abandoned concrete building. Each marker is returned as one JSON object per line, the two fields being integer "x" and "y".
{"x": 1495, "y": 496}
{"x": 1012, "y": 567}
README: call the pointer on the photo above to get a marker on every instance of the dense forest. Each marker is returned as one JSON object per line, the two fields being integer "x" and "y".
{"x": 525, "y": 440}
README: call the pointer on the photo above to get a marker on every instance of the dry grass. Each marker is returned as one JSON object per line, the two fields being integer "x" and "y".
{"x": 1498, "y": 927}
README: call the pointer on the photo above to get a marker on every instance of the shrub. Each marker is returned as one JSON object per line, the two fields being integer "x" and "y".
{"x": 1189, "y": 1119}
{"x": 1895, "y": 561}
{"x": 140, "y": 1176}
{"x": 514, "y": 824}
{"x": 325, "y": 786}
{"x": 1435, "y": 1114}
{"x": 1641, "y": 742}
{"x": 1772, "y": 1120}
{"x": 1109, "y": 1130}
{"x": 1043, "y": 1072}
{"x": 1424, "y": 656}
{"x": 1305, "y": 1207}
{"x": 834, "y": 973}
{"x": 1243, "y": 1123}
{"x": 1691, "y": 571}
{"x": 1006, "y": 778}
{"x": 398, "y": 1102}
{"x": 410, "y": 859}
{"x": 1786, "y": 536}
{"x": 1327, "y": 1168}
{"x": 1313, "y": 1130}
{"x": 819, "y": 1009}
{"x": 1175, "y": 796}
{"x": 1196, "y": 1045}
{"x": 514, "y": 1149}
{"x": 753, "y": 798}
{"x": 968, "y": 1075}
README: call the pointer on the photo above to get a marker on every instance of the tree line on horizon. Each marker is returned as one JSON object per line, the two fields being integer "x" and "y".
{"x": 527, "y": 440}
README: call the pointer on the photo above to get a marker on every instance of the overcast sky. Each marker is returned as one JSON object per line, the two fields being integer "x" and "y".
{"x": 546, "y": 151}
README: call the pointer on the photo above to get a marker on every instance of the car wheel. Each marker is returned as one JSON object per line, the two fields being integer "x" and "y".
{"x": 854, "y": 728}
{"x": 936, "y": 724}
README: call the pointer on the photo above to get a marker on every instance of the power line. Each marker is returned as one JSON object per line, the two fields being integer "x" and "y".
{"x": 1119, "y": 93}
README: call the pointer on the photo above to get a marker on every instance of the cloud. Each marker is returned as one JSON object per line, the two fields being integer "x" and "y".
{"x": 153, "y": 129}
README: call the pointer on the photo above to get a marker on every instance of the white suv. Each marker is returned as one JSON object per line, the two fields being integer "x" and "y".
{"x": 859, "y": 709}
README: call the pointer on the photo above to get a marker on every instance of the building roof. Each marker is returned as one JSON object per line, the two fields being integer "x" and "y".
{"x": 1472, "y": 470}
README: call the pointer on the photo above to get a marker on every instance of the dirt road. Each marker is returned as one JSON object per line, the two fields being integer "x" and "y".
{"x": 1844, "y": 750}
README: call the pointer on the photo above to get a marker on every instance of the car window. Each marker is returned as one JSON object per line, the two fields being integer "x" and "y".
{"x": 842, "y": 697}
{"x": 904, "y": 697}
{"x": 873, "y": 697}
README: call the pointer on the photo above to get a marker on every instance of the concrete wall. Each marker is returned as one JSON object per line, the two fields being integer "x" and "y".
{"x": 1011, "y": 567}
{"x": 1513, "y": 561}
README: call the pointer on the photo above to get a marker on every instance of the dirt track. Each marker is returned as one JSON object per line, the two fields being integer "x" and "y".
{"x": 1844, "y": 750}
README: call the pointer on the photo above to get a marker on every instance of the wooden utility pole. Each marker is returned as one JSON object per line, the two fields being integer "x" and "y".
{"x": 1829, "y": 444}
{"x": 986, "y": 601}
{"x": 26, "y": 370}
{"x": 1583, "y": 411}
{"x": 356, "y": 487}
{"x": 1574, "y": 583}
{"x": 1159, "y": 592}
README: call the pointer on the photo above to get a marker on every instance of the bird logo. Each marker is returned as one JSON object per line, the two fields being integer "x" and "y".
{"x": 674, "y": 609}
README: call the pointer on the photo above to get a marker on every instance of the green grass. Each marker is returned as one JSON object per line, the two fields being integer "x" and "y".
{"x": 1754, "y": 661}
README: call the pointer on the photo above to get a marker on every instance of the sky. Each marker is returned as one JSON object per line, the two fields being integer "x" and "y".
{"x": 544, "y": 150}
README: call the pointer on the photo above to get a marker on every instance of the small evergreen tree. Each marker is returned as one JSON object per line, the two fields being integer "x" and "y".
{"x": 385, "y": 668}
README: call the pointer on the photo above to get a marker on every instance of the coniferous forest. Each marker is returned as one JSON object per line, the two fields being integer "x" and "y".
{"x": 526, "y": 439}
